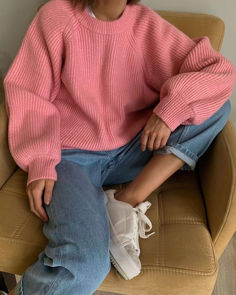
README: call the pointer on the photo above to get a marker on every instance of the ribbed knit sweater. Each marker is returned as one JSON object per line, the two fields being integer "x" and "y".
{"x": 81, "y": 82}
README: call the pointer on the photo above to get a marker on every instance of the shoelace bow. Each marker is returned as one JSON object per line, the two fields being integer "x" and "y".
{"x": 143, "y": 220}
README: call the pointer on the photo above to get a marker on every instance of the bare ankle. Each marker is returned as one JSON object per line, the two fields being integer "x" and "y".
{"x": 124, "y": 196}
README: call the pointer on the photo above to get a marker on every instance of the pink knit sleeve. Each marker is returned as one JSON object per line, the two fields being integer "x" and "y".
{"x": 31, "y": 84}
{"x": 194, "y": 80}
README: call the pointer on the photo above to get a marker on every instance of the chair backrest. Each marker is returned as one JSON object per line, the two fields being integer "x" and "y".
{"x": 7, "y": 163}
{"x": 197, "y": 25}
{"x": 1, "y": 89}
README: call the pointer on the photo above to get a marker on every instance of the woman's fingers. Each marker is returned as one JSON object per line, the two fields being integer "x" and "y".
{"x": 157, "y": 143}
{"x": 37, "y": 195}
{"x": 164, "y": 141}
{"x": 160, "y": 142}
{"x": 31, "y": 201}
{"x": 35, "y": 191}
{"x": 48, "y": 191}
{"x": 152, "y": 140}
{"x": 144, "y": 139}
{"x": 155, "y": 133}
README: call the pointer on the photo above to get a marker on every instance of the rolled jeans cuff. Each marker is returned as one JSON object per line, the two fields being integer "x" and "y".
{"x": 181, "y": 152}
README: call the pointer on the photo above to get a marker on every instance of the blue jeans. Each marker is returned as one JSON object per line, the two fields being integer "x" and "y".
{"x": 76, "y": 259}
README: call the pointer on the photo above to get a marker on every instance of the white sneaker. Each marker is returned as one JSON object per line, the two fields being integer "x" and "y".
{"x": 127, "y": 224}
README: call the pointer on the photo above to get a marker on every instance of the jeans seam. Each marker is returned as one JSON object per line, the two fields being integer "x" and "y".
{"x": 50, "y": 291}
{"x": 56, "y": 234}
{"x": 183, "y": 133}
{"x": 105, "y": 173}
{"x": 121, "y": 155}
{"x": 60, "y": 255}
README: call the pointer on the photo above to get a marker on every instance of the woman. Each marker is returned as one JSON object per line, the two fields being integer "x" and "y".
{"x": 100, "y": 93}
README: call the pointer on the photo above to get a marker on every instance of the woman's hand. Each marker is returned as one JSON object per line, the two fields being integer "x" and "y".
{"x": 34, "y": 191}
{"x": 155, "y": 133}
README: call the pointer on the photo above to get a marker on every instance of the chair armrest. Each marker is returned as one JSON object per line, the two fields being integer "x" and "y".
{"x": 7, "y": 163}
{"x": 216, "y": 171}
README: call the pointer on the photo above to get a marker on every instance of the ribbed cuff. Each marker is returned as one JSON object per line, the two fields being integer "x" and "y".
{"x": 173, "y": 111}
{"x": 42, "y": 168}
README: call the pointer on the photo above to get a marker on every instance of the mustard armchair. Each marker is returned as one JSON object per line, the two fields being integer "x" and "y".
{"x": 192, "y": 212}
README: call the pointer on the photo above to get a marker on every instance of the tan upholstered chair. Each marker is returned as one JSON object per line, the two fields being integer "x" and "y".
{"x": 193, "y": 213}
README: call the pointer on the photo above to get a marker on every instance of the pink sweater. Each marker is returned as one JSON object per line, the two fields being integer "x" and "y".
{"x": 80, "y": 82}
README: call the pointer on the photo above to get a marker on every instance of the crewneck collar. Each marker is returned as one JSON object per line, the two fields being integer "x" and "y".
{"x": 106, "y": 27}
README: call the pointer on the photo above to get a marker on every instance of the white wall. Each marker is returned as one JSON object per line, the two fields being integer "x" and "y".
{"x": 15, "y": 17}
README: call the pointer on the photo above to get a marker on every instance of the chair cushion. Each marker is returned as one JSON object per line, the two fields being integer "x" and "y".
{"x": 179, "y": 257}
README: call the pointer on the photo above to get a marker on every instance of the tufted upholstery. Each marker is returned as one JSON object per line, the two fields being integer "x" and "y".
{"x": 193, "y": 212}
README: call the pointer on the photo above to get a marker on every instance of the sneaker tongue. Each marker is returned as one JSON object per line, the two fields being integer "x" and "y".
{"x": 125, "y": 227}
{"x": 131, "y": 237}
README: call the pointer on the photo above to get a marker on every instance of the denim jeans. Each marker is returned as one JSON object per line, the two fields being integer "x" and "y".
{"x": 76, "y": 259}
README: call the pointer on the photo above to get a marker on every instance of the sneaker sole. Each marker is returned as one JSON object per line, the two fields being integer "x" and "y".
{"x": 116, "y": 265}
{"x": 121, "y": 260}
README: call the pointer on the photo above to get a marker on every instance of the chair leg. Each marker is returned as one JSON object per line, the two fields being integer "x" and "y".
{"x": 7, "y": 281}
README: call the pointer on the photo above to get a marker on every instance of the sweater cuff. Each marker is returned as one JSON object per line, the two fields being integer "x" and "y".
{"x": 173, "y": 111}
{"x": 42, "y": 168}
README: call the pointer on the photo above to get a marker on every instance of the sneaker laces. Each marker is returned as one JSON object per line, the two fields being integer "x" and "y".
{"x": 143, "y": 220}
{"x": 140, "y": 227}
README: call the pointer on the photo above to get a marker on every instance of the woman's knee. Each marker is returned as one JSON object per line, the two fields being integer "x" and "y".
{"x": 82, "y": 255}
{"x": 81, "y": 261}
{"x": 79, "y": 244}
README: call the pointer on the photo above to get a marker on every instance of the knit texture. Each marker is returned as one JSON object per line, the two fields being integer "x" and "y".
{"x": 80, "y": 82}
